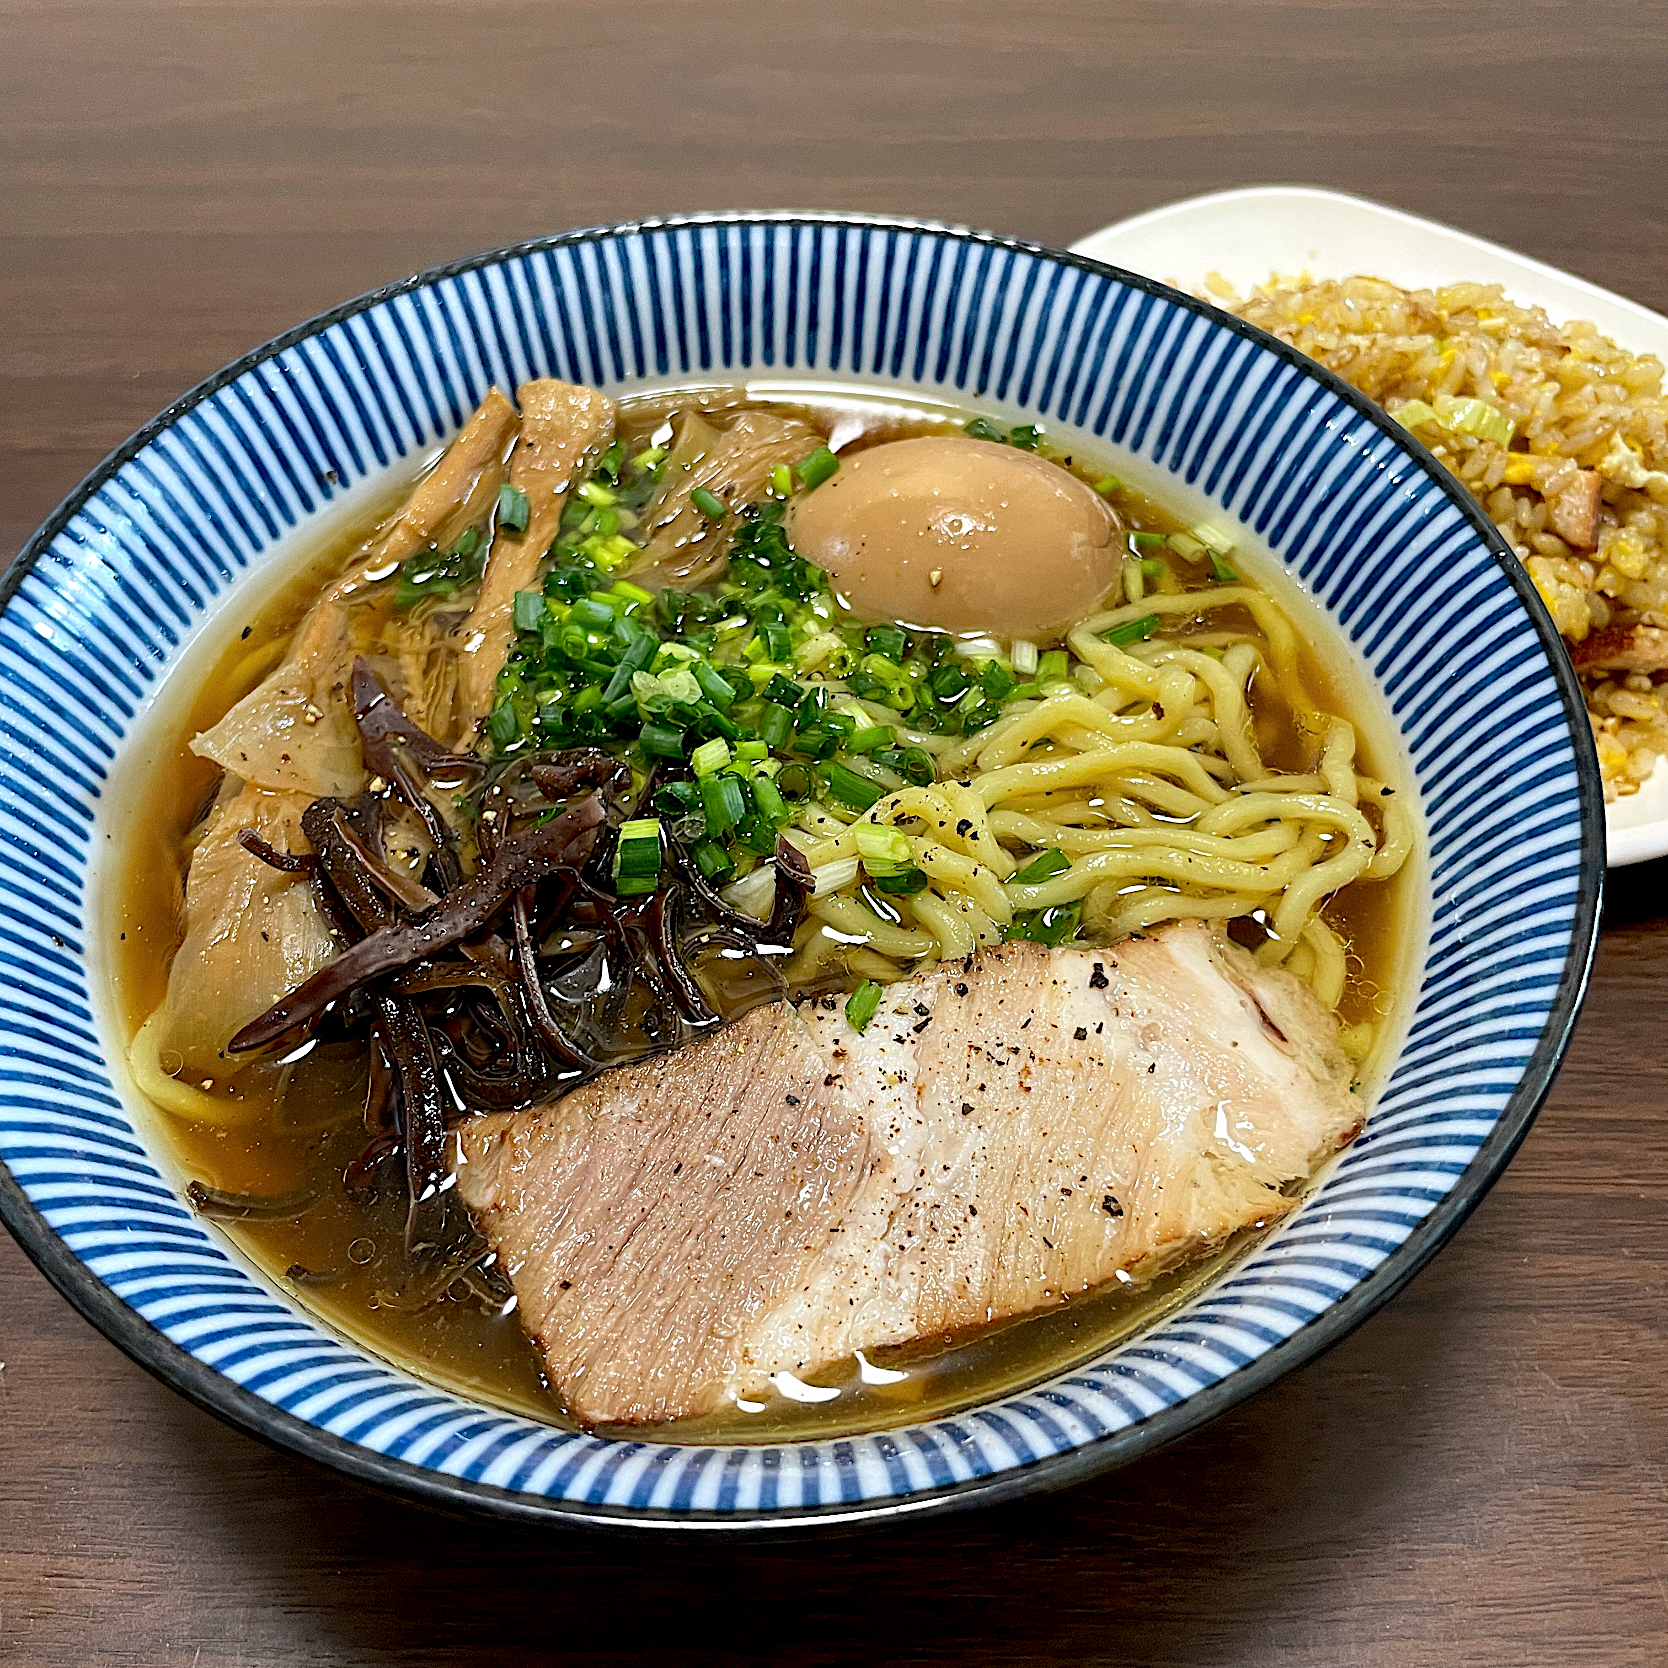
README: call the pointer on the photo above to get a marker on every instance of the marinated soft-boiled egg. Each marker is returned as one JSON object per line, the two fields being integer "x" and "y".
{"x": 965, "y": 535}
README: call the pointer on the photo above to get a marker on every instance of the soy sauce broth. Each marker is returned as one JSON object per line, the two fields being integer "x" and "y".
{"x": 347, "y": 1263}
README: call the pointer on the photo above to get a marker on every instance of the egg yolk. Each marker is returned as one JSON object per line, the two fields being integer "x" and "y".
{"x": 962, "y": 535}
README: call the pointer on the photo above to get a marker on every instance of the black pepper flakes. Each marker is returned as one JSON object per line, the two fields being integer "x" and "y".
{"x": 1081, "y": 1034}
{"x": 1111, "y": 1206}
{"x": 1098, "y": 979}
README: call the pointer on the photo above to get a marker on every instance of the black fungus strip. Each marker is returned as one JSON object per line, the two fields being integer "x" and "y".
{"x": 291, "y": 862}
{"x": 560, "y": 1044}
{"x": 522, "y": 859}
{"x": 366, "y": 904}
{"x": 391, "y": 741}
{"x": 220, "y": 1206}
{"x": 385, "y": 730}
{"x": 793, "y": 889}
{"x": 585, "y": 769}
{"x": 423, "y": 1111}
{"x": 661, "y": 919}
{"x": 403, "y": 889}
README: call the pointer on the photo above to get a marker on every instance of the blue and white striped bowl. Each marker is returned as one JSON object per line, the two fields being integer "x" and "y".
{"x": 184, "y": 517}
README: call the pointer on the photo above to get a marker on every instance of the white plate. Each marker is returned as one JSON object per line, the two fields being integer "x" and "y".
{"x": 1291, "y": 229}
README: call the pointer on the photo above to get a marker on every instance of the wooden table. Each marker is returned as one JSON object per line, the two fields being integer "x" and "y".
{"x": 1477, "y": 1476}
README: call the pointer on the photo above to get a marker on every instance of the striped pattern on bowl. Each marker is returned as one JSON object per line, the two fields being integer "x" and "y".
{"x": 98, "y": 606}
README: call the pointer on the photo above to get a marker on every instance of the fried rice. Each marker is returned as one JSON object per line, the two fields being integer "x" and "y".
{"x": 1560, "y": 435}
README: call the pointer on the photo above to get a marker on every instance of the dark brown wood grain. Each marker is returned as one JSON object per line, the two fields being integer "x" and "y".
{"x": 1477, "y": 1477}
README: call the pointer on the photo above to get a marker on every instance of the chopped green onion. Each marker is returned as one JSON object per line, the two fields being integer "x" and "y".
{"x": 1219, "y": 569}
{"x": 661, "y": 741}
{"x": 714, "y": 862}
{"x": 1107, "y": 485}
{"x": 918, "y": 766}
{"x": 512, "y": 508}
{"x": 757, "y": 835}
{"x": 816, "y": 468}
{"x": 724, "y": 801}
{"x": 637, "y": 857}
{"x": 851, "y": 789}
{"x": 949, "y": 682}
{"x": 885, "y": 851}
{"x": 1139, "y": 538}
{"x": 887, "y": 640}
{"x": 503, "y": 726}
{"x": 1052, "y": 666}
{"x": 529, "y": 610}
{"x": 593, "y": 613}
{"x": 772, "y": 806}
{"x": 677, "y": 799}
{"x": 1044, "y": 866}
{"x": 997, "y": 681}
{"x": 1052, "y": 926}
{"x": 466, "y": 541}
{"x": 981, "y": 428}
{"x": 1131, "y": 631}
{"x": 781, "y": 480}
{"x": 778, "y": 645}
{"x": 795, "y": 782}
{"x": 1025, "y": 437}
{"x": 1213, "y": 537}
{"x": 710, "y": 756}
{"x": 712, "y": 685}
{"x": 1151, "y": 567}
{"x": 1022, "y": 656}
{"x": 1186, "y": 546}
{"x": 631, "y": 593}
{"x": 905, "y": 883}
{"x": 648, "y": 458}
{"x": 608, "y": 465}
{"x": 867, "y": 740}
{"x": 709, "y": 504}
{"x": 775, "y": 725}
{"x": 815, "y": 742}
{"x": 595, "y": 493}
{"x": 861, "y": 1005}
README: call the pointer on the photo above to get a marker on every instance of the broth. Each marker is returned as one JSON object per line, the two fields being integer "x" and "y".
{"x": 347, "y": 1262}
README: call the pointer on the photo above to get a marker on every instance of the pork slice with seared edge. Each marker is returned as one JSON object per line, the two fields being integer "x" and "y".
{"x": 1007, "y": 1132}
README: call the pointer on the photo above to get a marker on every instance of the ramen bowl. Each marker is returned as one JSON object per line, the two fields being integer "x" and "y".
{"x": 198, "y": 512}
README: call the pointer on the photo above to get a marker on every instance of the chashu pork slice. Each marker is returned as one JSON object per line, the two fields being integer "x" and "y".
{"x": 1007, "y": 1132}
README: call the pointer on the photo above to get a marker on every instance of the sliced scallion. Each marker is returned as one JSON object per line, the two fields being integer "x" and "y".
{"x": 861, "y": 1005}
{"x": 851, "y": 789}
{"x": 529, "y": 610}
{"x": 905, "y": 883}
{"x": 1131, "y": 631}
{"x": 661, "y": 741}
{"x": 708, "y": 503}
{"x": 1044, "y": 866}
{"x": 637, "y": 857}
{"x": 816, "y": 468}
{"x": 512, "y": 508}
{"x": 710, "y": 756}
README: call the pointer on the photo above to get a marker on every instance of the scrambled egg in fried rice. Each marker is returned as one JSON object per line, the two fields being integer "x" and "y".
{"x": 1561, "y": 436}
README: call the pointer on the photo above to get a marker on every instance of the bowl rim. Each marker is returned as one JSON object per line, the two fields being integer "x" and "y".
{"x": 201, "y": 1384}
